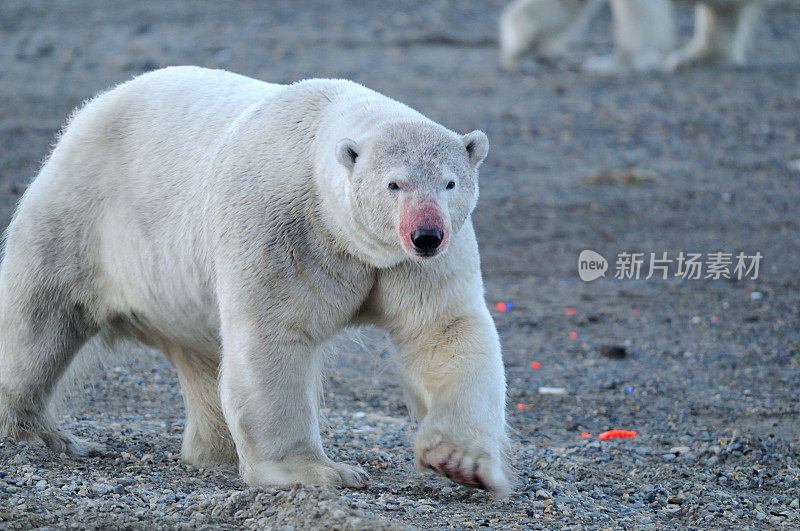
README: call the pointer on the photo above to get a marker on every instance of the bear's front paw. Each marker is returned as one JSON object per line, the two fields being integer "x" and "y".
{"x": 471, "y": 468}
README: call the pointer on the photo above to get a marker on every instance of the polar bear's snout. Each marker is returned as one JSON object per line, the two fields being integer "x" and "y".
{"x": 426, "y": 241}
{"x": 424, "y": 230}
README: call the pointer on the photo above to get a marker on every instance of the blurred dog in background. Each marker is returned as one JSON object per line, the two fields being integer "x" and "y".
{"x": 644, "y": 32}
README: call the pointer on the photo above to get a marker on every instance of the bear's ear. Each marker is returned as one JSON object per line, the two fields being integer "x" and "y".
{"x": 347, "y": 152}
{"x": 477, "y": 147}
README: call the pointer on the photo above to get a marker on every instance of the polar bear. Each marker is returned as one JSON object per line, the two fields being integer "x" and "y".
{"x": 544, "y": 28}
{"x": 723, "y": 30}
{"x": 237, "y": 226}
{"x": 644, "y": 32}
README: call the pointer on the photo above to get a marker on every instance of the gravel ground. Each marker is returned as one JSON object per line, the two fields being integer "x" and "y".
{"x": 704, "y": 160}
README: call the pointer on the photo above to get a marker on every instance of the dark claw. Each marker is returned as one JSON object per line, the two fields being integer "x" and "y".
{"x": 454, "y": 467}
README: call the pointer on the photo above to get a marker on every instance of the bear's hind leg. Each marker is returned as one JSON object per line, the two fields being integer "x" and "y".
{"x": 747, "y": 19}
{"x": 206, "y": 438}
{"x": 644, "y": 33}
{"x": 721, "y": 34}
{"x": 39, "y": 337}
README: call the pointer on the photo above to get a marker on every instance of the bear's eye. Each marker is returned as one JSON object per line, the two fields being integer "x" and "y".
{"x": 451, "y": 185}
{"x": 393, "y": 186}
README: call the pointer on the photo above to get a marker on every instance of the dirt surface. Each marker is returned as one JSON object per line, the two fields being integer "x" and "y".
{"x": 702, "y": 161}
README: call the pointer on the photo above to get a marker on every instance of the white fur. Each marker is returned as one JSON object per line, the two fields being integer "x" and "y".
{"x": 644, "y": 32}
{"x": 543, "y": 27}
{"x": 238, "y": 225}
{"x": 723, "y": 31}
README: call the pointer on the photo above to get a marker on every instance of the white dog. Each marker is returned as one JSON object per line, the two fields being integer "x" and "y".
{"x": 237, "y": 226}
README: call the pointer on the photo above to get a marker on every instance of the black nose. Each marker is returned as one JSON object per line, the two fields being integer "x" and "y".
{"x": 426, "y": 240}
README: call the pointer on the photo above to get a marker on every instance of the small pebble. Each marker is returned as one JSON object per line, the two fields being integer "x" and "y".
{"x": 680, "y": 450}
{"x": 615, "y": 352}
{"x": 552, "y": 391}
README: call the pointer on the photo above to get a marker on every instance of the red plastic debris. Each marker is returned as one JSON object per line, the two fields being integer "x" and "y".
{"x": 613, "y": 434}
{"x": 585, "y": 435}
{"x": 570, "y": 311}
{"x": 635, "y": 311}
{"x": 536, "y": 365}
{"x": 714, "y": 319}
{"x": 520, "y": 406}
{"x": 573, "y": 335}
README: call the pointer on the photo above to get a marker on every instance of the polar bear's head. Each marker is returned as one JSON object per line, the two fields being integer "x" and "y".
{"x": 413, "y": 185}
